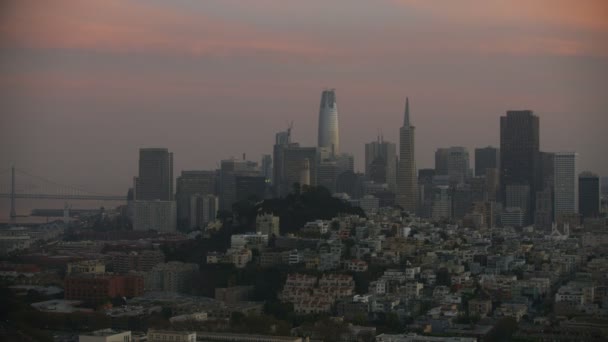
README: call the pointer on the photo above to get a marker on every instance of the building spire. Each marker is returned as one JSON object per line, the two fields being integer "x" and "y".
{"x": 406, "y": 119}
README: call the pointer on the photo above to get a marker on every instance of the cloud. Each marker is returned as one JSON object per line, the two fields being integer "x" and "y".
{"x": 521, "y": 27}
{"x": 129, "y": 27}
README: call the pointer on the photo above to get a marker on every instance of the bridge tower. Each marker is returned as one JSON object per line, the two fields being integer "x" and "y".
{"x": 13, "y": 211}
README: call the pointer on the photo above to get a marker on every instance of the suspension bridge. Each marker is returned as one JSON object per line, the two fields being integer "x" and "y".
{"x": 36, "y": 187}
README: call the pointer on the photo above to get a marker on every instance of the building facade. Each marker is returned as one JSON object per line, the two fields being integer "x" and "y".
{"x": 407, "y": 182}
{"x": 189, "y": 184}
{"x": 155, "y": 215}
{"x": 381, "y": 162}
{"x": 588, "y": 194}
{"x": 486, "y": 158}
{"x": 155, "y": 178}
{"x": 329, "y": 135}
{"x": 519, "y": 152}
{"x": 564, "y": 189}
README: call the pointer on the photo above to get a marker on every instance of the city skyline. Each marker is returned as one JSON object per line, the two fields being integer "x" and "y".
{"x": 172, "y": 73}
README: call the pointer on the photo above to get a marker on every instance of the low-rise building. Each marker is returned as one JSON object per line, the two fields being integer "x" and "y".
{"x": 106, "y": 335}
{"x": 173, "y": 276}
{"x": 169, "y": 335}
{"x": 86, "y": 267}
{"x": 480, "y": 307}
{"x": 96, "y": 289}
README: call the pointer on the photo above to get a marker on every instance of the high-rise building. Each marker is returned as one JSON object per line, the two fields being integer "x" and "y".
{"x": 588, "y": 194}
{"x": 267, "y": 168}
{"x": 461, "y": 200}
{"x": 442, "y": 203}
{"x": 327, "y": 174}
{"x": 381, "y": 162}
{"x": 189, "y": 184}
{"x": 519, "y": 152}
{"x": 543, "y": 218}
{"x": 458, "y": 164}
{"x": 282, "y": 141}
{"x": 350, "y": 183}
{"x": 155, "y": 179}
{"x": 329, "y": 138}
{"x": 154, "y": 215}
{"x": 203, "y": 209}
{"x": 564, "y": 188}
{"x": 250, "y": 186}
{"x": 298, "y": 162}
{"x": 518, "y": 196}
{"x": 441, "y": 161}
{"x": 486, "y": 158}
{"x": 230, "y": 169}
{"x": 425, "y": 192}
{"x": 407, "y": 183}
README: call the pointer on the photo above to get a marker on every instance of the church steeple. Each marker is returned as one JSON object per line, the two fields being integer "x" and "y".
{"x": 406, "y": 119}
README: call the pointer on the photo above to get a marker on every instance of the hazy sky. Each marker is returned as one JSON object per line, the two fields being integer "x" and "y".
{"x": 85, "y": 84}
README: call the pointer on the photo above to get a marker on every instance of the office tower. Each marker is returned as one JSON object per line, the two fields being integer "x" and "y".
{"x": 327, "y": 173}
{"x": 407, "y": 183}
{"x": 485, "y": 210}
{"x": 519, "y": 152}
{"x": 512, "y": 217}
{"x": 345, "y": 162}
{"x": 458, "y": 164}
{"x": 492, "y": 186}
{"x": 298, "y": 161}
{"x": 329, "y": 138}
{"x": 441, "y": 161}
{"x": 442, "y": 203}
{"x": 381, "y": 162}
{"x": 203, "y": 209}
{"x": 188, "y": 184}
{"x": 486, "y": 158}
{"x": 267, "y": 168}
{"x": 350, "y": 183}
{"x": 155, "y": 179}
{"x": 154, "y": 215}
{"x": 250, "y": 186}
{"x": 479, "y": 192}
{"x": 604, "y": 186}
{"x": 461, "y": 200}
{"x": 588, "y": 195}
{"x": 425, "y": 192}
{"x": 230, "y": 169}
{"x": 282, "y": 141}
{"x": 518, "y": 196}
{"x": 564, "y": 184}
{"x": 543, "y": 216}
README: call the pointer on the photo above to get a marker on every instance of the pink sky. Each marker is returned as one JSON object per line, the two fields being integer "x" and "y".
{"x": 84, "y": 84}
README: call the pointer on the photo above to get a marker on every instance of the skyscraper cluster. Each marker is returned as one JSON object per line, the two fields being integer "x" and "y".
{"x": 516, "y": 184}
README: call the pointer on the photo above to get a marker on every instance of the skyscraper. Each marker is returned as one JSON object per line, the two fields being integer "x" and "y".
{"x": 282, "y": 141}
{"x": 188, "y": 184}
{"x": 407, "y": 183}
{"x": 441, "y": 162}
{"x": 564, "y": 189}
{"x": 588, "y": 194}
{"x": 486, "y": 158}
{"x": 230, "y": 169}
{"x": 297, "y": 162}
{"x": 458, "y": 164}
{"x": 267, "y": 167}
{"x": 381, "y": 162}
{"x": 519, "y": 152}
{"x": 155, "y": 179}
{"x": 329, "y": 138}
